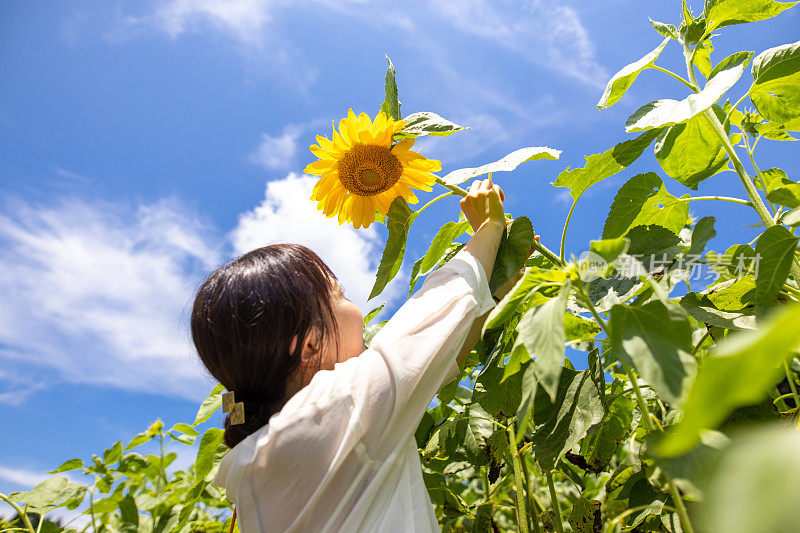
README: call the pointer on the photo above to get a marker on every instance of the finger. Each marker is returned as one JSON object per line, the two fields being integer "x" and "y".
{"x": 500, "y": 192}
{"x": 485, "y": 186}
{"x": 475, "y": 187}
{"x": 536, "y": 238}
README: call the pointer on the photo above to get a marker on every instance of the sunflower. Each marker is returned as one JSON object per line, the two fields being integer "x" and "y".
{"x": 361, "y": 170}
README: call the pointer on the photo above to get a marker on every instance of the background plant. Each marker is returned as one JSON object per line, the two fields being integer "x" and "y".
{"x": 684, "y": 420}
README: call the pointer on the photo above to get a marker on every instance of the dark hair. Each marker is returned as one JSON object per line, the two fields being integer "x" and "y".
{"x": 243, "y": 320}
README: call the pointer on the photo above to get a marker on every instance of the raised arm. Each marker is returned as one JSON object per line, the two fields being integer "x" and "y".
{"x": 484, "y": 210}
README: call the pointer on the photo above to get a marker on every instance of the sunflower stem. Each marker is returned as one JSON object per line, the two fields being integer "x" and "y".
{"x": 424, "y": 207}
{"x": 541, "y": 248}
{"x": 454, "y": 188}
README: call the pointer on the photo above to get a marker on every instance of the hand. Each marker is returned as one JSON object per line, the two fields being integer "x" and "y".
{"x": 483, "y": 202}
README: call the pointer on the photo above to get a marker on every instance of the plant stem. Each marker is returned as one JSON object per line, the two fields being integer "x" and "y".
{"x": 792, "y": 386}
{"x": 22, "y": 515}
{"x": 665, "y": 71}
{"x": 648, "y": 424}
{"x": 424, "y": 207}
{"x": 755, "y": 167}
{"x": 534, "y": 513}
{"x": 680, "y": 507}
{"x": 700, "y": 342}
{"x": 522, "y": 515}
{"x": 453, "y": 188}
{"x": 485, "y": 480}
{"x": 721, "y": 198}
{"x": 554, "y": 502}
{"x": 728, "y": 116}
{"x": 747, "y": 182}
{"x": 541, "y": 248}
{"x": 564, "y": 231}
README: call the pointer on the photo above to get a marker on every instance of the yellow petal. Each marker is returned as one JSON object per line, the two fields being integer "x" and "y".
{"x": 403, "y": 146}
{"x": 423, "y": 163}
{"x": 324, "y": 142}
{"x": 320, "y": 166}
{"x": 352, "y": 127}
{"x": 322, "y": 153}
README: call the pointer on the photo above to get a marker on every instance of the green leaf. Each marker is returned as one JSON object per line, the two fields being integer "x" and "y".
{"x": 732, "y": 295}
{"x": 499, "y": 398}
{"x": 740, "y": 371}
{"x": 530, "y": 282}
{"x": 391, "y": 105}
{"x": 138, "y": 440}
{"x": 705, "y": 311}
{"x": 609, "y": 248}
{"x": 212, "y": 402}
{"x": 622, "y": 80}
{"x": 754, "y": 484}
{"x": 577, "y": 328}
{"x": 644, "y": 200}
{"x": 601, "y": 446}
{"x": 775, "y": 252}
{"x": 781, "y": 189}
{"x": 691, "y": 151}
{"x": 541, "y": 331}
{"x": 185, "y": 428}
{"x": 372, "y": 314}
{"x": 427, "y": 123}
{"x": 207, "y": 453}
{"x": 72, "y": 464}
{"x": 440, "y": 244}
{"x": 792, "y": 218}
{"x": 601, "y": 166}
{"x": 662, "y": 113}
{"x": 113, "y": 454}
{"x": 399, "y": 221}
{"x": 506, "y": 164}
{"x": 702, "y": 58}
{"x": 776, "y": 83}
{"x": 656, "y": 340}
{"x": 667, "y": 30}
{"x": 51, "y": 494}
{"x": 129, "y": 515}
{"x": 561, "y": 423}
{"x": 702, "y": 233}
{"x": 585, "y": 516}
{"x": 515, "y": 245}
{"x": 720, "y": 13}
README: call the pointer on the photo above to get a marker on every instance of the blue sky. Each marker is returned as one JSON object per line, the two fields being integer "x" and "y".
{"x": 144, "y": 143}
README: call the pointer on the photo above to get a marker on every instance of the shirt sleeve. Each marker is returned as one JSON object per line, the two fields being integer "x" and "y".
{"x": 415, "y": 353}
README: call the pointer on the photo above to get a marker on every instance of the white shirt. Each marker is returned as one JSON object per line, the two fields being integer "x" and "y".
{"x": 340, "y": 455}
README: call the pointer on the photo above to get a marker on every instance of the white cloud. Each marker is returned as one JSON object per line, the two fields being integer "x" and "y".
{"x": 21, "y": 476}
{"x": 546, "y": 33}
{"x": 98, "y": 293}
{"x": 287, "y": 215}
{"x": 277, "y": 152}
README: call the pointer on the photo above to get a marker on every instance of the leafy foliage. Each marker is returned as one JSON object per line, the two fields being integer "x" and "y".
{"x": 524, "y": 441}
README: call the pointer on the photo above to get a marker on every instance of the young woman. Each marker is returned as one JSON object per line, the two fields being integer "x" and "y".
{"x": 328, "y": 438}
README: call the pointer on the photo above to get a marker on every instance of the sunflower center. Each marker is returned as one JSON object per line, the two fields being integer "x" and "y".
{"x": 367, "y": 169}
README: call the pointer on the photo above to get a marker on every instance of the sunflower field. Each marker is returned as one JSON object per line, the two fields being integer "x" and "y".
{"x": 685, "y": 418}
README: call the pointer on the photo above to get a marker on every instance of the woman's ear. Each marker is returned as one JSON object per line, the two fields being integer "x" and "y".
{"x": 310, "y": 346}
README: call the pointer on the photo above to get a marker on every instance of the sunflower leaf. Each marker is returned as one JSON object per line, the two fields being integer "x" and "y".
{"x": 427, "y": 123}
{"x": 623, "y": 79}
{"x": 391, "y": 105}
{"x": 668, "y": 112}
{"x": 398, "y": 221}
{"x": 507, "y": 163}
{"x": 601, "y": 166}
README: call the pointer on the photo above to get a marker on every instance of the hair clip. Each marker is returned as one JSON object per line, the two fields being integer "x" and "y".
{"x": 236, "y": 409}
